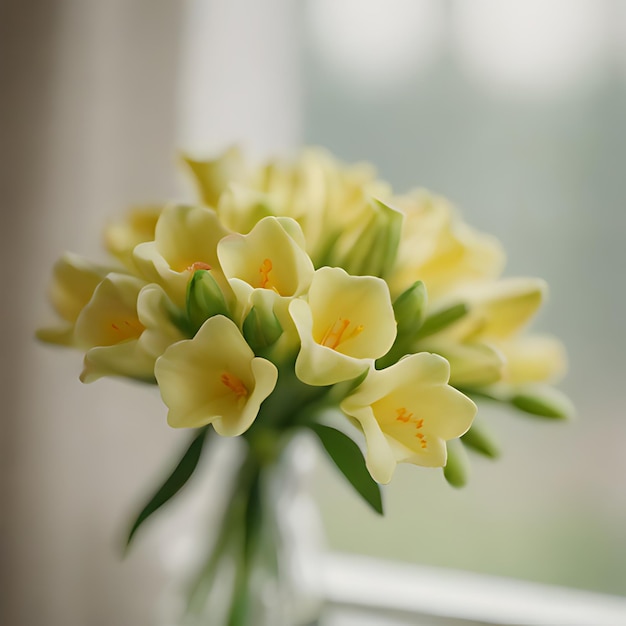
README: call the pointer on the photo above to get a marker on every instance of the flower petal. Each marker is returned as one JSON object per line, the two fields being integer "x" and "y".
{"x": 415, "y": 409}
{"x": 214, "y": 378}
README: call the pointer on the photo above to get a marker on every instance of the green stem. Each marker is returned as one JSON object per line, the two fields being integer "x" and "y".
{"x": 250, "y": 530}
{"x": 229, "y": 538}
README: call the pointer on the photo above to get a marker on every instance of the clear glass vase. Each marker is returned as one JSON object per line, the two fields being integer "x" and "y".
{"x": 262, "y": 559}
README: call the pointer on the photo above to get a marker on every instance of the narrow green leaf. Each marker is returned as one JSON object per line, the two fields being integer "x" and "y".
{"x": 348, "y": 458}
{"x": 456, "y": 471}
{"x": 174, "y": 483}
{"x": 442, "y": 319}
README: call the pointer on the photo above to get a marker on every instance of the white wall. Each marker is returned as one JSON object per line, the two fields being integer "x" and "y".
{"x": 99, "y": 97}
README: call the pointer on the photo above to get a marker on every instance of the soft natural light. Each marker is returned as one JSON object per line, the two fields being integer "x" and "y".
{"x": 242, "y": 87}
{"x": 534, "y": 47}
{"x": 373, "y": 43}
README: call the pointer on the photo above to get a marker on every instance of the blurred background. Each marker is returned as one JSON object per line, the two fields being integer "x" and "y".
{"x": 515, "y": 110}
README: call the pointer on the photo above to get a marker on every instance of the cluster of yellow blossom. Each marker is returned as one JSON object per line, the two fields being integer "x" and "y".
{"x": 290, "y": 284}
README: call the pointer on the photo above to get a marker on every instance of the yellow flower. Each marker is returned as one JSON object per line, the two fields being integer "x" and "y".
{"x": 533, "y": 359}
{"x": 327, "y": 198}
{"x": 185, "y": 240}
{"x": 407, "y": 413}
{"x": 499, "y": 309}
{"x": 74, "y": 280}
{"x": 472, "y": 364}
{"x": 240, "y": 208}
{"x": 271, "y": 258}
{"x": 214, "y": 378}
{"x": 476, "y": 345}
{"x": 438, "y": 248}
{"x": 346, "y": 323}
{"x": 330, "y": 200}
{"x": 213, "y": 176}
{"x": 137, "y": 226}
{"x": 124, "y": 328}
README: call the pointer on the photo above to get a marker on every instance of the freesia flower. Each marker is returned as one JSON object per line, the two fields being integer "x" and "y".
{"x": 315, "y": 268}
{"x": 500, "y": 309}
{"x": 345, "y": 323}
{"x": 270, "y": 257}
{"x": 185, "y": 240}
{"x": 441, "y": 250}
{"x": 369, "y": 245}
{"x": 124, "y": 328}
{"x": 214, "y": 378}
{"x": 213, "y": 176}
{"x": 74, "y": 280}
{"x": 407, "y": 413}
{"x": 329, "y": 199}
{"x": 137, "y": 226}
{"x": 476, "y": 344}
{"x": 240, "y": 208}
{"x": 533, "y": 359}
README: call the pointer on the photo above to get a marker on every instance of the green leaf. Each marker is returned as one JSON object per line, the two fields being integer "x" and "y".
{"x": 456, "y": 471}
{"x": 348, "y": 458}
{"x": 174, "y": 483}
{"x": 442, "y": 319}
{"x": 543, "y": 402}
{"x": 204, "y": 299}
{"x": 478, "y": 439}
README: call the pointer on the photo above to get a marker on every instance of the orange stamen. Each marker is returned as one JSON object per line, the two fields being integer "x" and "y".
{"x": 403, "y": 416}
{"x": 128, "y": 328}
{"x": 334, "y": 335}
{"x": 264, "y": 270}
{"x": 199, "y": 265}
{"x": 234, "y": 384}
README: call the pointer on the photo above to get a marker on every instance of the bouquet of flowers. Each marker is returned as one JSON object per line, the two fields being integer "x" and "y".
{"x": 300, "y": 296}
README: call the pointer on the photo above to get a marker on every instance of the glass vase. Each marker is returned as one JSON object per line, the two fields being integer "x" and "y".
{"x": 261, "y": 566}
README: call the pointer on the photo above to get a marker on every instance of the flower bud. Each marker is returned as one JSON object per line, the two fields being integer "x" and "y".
{"x": 456, "y": 470}
{"x": 409, "y": 308}
{"x": 370, "y": 246}
{"x": 261, "y": 327}
{"x": 204, "y": 299}
{"x": 543, "y": 401}
{"x": 480, "y": 440}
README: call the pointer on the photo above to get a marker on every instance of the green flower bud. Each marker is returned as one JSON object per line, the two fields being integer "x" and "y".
{"x": 204, "y": 299}
{"x": 479, "y": 439}
{"x": 409, "y": 308}
{"x": 543, "y": 401}
{"x": 370, "y": 245}
{"x": 261, "y": 327}
{"x": 456, "y": 470}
